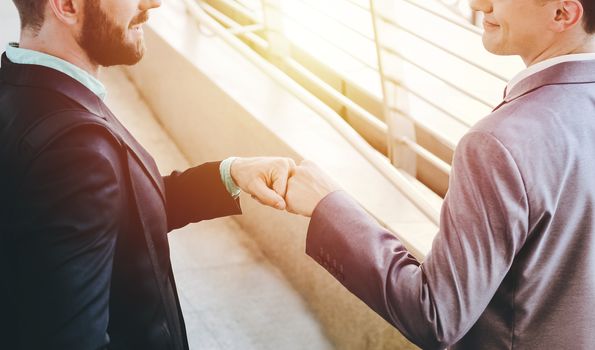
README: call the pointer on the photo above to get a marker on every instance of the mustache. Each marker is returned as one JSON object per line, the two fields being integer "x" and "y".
{"x": 141, "y": 18}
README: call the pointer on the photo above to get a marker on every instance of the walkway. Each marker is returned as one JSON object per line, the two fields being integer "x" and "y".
{"x": 232, "y": 297}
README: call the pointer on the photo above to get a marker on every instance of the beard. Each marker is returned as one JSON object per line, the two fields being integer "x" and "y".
{"x": 105, "y": 42}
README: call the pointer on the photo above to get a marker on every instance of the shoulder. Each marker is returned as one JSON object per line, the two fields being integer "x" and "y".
{"x": 66, "y": 142}
{"x": 479, "y": 150}
{"x": 546, "y": 121}
{"x": 24, "y": 103}
{"x": 21, "y": 108}
{"x": 77, "y": 137}
{"x": 515, "y": 117}
{"x": 539, "y": 114}
{"x": 82, "y": 171}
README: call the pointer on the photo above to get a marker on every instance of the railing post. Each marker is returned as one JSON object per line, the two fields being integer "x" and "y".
{"x": 400, "y": 128}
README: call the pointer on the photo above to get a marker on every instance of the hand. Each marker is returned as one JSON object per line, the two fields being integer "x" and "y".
{"x": 265, "y": 178}
{"x": 307, "y": 187}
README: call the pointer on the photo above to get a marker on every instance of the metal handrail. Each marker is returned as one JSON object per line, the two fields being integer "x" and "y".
{"x": 436, "y": 76}
{"x": 420, "y": 124}
{"x": 429, "y": 156}
{"x": 371, "y": 119}
{"x": 460, "y": 23}
{"x": 329, "y": 41}
{"x": 426, "y": 100}
{"x": 380, "y": 162}
{"x": 233, "y": 5}
{"x": 429, "y": 102}
{"x": 246, "y": 7}
{"x": 355, "y": 3}
{"x": 454, "y": 9}
{"x": 338, "y": 21}
{"x": 236, "y": 29}
{"x": 443, "y": 48}
{"x": 243, "y": 10}
{"x": 375, "y": 123}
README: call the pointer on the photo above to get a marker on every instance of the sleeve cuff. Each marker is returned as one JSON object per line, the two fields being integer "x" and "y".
{"x": 230, "y": 185}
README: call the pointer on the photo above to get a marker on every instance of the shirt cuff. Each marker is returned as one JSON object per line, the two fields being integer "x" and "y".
{"x": 230, "y": 185}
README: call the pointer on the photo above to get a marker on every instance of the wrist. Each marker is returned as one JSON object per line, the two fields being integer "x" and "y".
{"x": 323, "y": 199}
{"x": 235, "y": 167}
{"x": 226, "y": 176}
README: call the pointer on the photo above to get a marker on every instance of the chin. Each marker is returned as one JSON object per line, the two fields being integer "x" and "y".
{"x": 128, "y": 55}
{"x": 134, "y": 58}
{"x": 133, "y": 52}
{"x": 498, "y": 44}
{"x": 492, "y": 46}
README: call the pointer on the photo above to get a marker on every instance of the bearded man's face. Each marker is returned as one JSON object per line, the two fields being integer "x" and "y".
{"x": 114, "y": 35}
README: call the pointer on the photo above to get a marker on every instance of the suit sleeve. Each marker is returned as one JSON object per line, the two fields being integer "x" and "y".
{"x": 71, "y": 205}
{"x": 197, "y": 194}
{"x": 484, "y": 222}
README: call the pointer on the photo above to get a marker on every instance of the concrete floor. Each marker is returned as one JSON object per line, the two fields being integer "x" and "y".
{"x": 232, "y": 297}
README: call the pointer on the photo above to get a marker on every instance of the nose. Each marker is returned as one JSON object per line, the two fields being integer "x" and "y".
{"x": 149, "y": 4}
{"x": 484, "y": 6}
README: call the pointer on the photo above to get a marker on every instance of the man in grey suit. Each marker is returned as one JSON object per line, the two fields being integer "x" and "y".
{"x": 513, "y": 264}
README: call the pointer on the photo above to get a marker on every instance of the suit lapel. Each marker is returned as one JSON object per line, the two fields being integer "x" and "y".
{"x": 575, "y": 72}
{"x": 142, "y": 157}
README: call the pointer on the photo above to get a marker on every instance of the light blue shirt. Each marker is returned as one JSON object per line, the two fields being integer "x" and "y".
{"x": 24, "y": 56}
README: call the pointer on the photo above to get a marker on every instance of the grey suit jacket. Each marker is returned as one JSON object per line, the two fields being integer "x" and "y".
{"x": 513, "y": 265}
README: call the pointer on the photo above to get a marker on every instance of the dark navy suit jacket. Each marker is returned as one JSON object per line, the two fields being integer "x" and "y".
{"x": 84, "y": 257}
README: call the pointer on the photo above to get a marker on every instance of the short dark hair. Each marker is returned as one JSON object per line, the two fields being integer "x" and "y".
{"x": 31, "y": 13}
{"x": 589, "y": 16}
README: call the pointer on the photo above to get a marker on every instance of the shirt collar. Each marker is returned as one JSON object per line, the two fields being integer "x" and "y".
{"x": 24, "y": 56}
{"x": 540, "y": 66}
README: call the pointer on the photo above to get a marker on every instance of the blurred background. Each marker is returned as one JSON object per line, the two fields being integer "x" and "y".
{"x": 9, "y": 30}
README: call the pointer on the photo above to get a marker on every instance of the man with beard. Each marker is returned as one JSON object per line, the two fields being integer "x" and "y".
{"x": 513, "y": 263}
{"x": 84, "y": 212}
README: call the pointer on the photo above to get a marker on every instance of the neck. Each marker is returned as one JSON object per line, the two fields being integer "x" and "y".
{"x": 61, "y": 46}
{"x": 565, "y": 46}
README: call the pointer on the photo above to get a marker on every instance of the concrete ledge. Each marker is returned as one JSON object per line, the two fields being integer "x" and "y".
{"x": 215, "y": 104}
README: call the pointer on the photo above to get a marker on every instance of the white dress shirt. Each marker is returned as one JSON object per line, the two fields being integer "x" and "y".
{"x": 538, "y": 67}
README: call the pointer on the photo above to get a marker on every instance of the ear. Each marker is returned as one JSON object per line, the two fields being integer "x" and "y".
{"x": 567, "y": 14}
{"x": 69, "y": 12}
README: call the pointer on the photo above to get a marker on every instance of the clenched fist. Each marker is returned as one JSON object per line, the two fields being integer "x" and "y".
{"x": 265, "y": 178}
{"x": 307, "y": 187}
